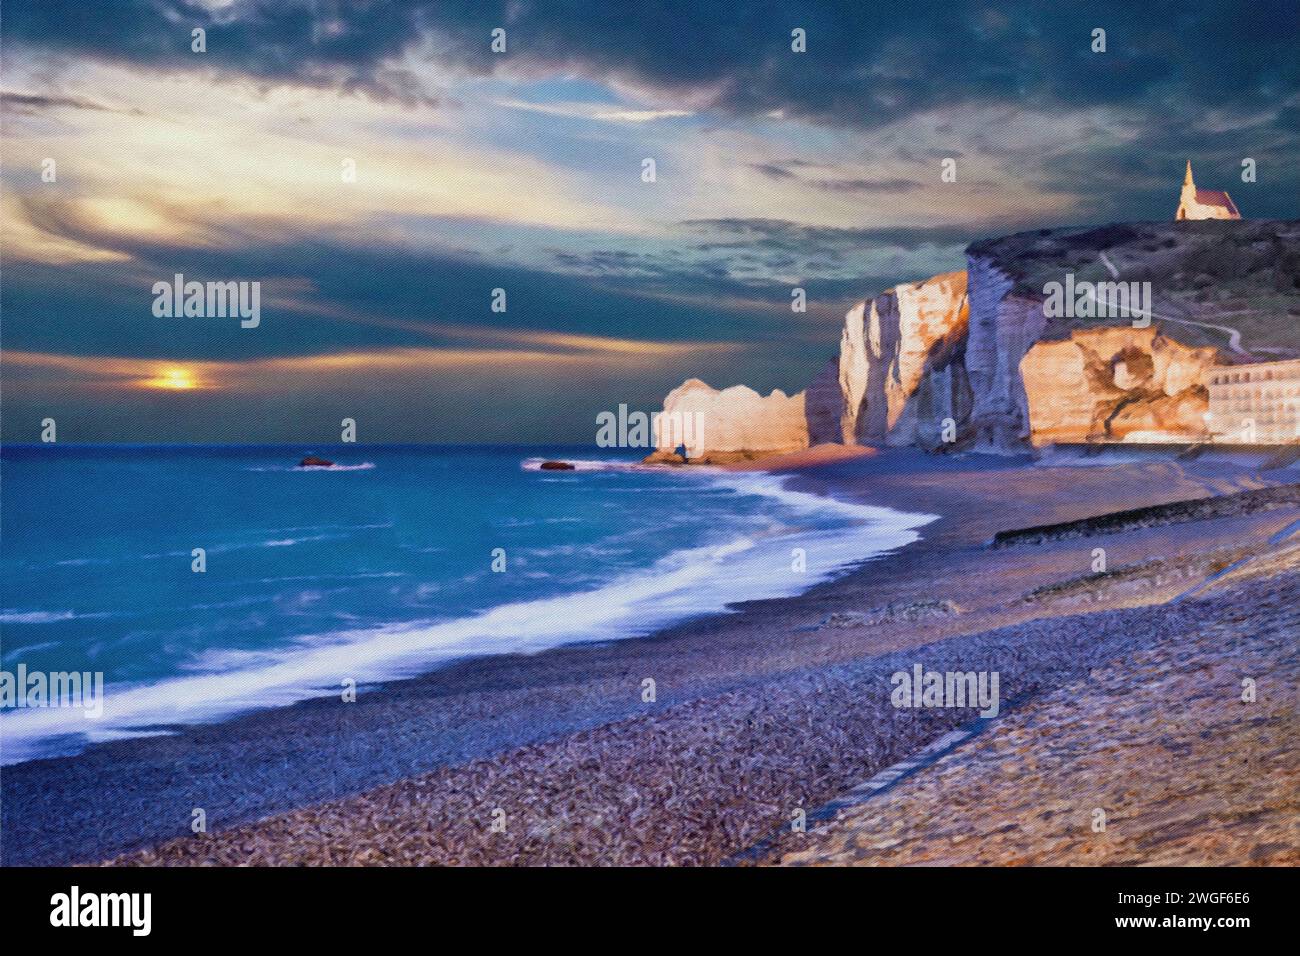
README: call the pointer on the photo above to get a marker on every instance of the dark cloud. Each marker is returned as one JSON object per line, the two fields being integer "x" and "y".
{"x": 784, "y": 234}
{"x": 347, "y": 46}
{"x": 783, "y": 168}
{"x": 866, "y": 63}
{"x": 1167, "y": 67}
{"x": 866, "y": 185}
{"x": 774, "y": 170}
{"x": 32, "y": 104}
{"x": 786, "y": 170}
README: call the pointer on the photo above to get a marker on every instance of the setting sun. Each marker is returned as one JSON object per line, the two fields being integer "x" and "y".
{"x": 173, "y": 377}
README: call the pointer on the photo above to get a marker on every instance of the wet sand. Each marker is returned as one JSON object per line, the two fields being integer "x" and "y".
{"x": 759, "y": 713}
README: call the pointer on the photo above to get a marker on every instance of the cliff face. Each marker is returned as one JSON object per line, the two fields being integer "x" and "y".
{"x": 971, "y": 359}
{"x": 734, "y": 424}
{"x": 824, "y": 406}
{"x": 898, "y": 377}
{"x": 1116, "y": 384}
{"x": 1002, "y": 329}
{"x": 898, "y": 358}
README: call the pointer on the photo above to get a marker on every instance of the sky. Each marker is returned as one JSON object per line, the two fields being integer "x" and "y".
{"x": 380, "y": 170}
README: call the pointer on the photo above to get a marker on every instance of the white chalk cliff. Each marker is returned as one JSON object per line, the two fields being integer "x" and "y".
{"x": 897, "y": 357}
{"x": 730, "y": 425}
{"x": 1116, "y": 383}
{"x": 969, "y": 358}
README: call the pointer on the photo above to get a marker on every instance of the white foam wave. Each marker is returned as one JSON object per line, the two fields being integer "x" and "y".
{"x": 1071, "y": 458}
{"x": 685, "y": 583}
{"x": 579, "y": 464}
{"x": 9, "y": 616}
{"x": 362, "y": 466}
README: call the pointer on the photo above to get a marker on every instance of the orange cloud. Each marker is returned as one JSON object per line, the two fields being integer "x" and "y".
{"x": 590, "y": 353}
{"x": 205, "y": 162}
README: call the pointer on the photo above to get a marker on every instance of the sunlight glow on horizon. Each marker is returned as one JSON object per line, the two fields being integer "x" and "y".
{"x": 175, "y": 377}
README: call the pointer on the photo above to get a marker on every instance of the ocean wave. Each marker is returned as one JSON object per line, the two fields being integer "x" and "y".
{"x": 752, "y": 565}
{"x": 1071, "y": 458}
{"x": 290, "y": 542}
{"x": 580, "y": 464}
{"x": 15, "y": 653}
{"x": 804, "y": 502}
{"x": 9, "y": 616}
{"x": 326, "y": 527}
{"x": 363, "y": 466}
{"x": 358, "y": 575}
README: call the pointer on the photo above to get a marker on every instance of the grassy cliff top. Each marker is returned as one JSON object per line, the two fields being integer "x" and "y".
{"x": 1208, "y": 278}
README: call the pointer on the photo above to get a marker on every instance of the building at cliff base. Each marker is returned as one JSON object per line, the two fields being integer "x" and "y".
{"x": 1204, "y": 203}
{"x": 1255, "y": 404}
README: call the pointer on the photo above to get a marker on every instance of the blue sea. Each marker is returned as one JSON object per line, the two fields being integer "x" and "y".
{"x": 378, "y": 568}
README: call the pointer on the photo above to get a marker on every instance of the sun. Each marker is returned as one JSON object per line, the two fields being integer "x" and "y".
{"x": 174, "y": 377}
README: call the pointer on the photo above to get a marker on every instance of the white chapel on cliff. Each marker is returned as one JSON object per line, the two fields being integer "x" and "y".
{"x": 1204, "y": 203}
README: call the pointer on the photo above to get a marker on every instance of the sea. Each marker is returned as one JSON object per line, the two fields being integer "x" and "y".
{"x": 397, "y": 559}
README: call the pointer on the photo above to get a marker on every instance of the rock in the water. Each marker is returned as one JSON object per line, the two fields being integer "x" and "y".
{"x": 557, "y": 466}
{"x": 663, "y": 457}
{"x": 311, "y": 461}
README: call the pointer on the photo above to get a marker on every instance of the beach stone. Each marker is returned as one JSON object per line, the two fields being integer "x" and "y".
{"x": 1185, "y": 773}
{"x": 904, "y": 611}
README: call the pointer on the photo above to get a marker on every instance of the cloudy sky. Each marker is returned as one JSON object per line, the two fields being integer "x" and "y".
{"x": 522, "y": 170}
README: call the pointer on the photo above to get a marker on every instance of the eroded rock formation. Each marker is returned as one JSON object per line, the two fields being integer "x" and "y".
{"x": 1002, "y": 329}
{"x": 1116, "y": 383}
{"x": 900, "y": 358}
{"x": 969, "y": 359}
{"x": 723, "y": 426}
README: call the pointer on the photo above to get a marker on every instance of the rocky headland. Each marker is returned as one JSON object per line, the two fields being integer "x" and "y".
{"x": 975, "y": 359}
